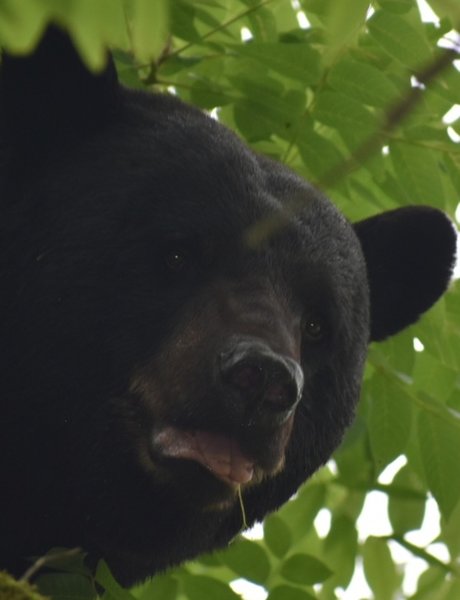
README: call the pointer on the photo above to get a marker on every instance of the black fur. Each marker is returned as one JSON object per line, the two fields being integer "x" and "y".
{"x": 126, "y": 273}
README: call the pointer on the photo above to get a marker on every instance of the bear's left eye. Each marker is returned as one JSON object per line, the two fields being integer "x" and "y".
{"x": 313, "y": 328}
{"x": 176, "y": 259}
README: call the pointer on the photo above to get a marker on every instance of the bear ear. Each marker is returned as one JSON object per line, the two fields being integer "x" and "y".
{"x": 410, "y": 254}
{"x": 52, "y": 89}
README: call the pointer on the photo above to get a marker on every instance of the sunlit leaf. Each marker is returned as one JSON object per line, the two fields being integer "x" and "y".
{"x": 418, "y": 173}
{"x": 297, "y": 61}
{"x": 389, "y": 419}
{"x": 342, "y": 24}
{"x": 277, "y": 535}
{"x": 406, "y": 507}
{"x": 247, "y": 559}
{"x": 440, "y": 449}
{"x": 379, "y": 569}
{"x": 149, "y": 28}
{"x": 363, "y": 82}
{"x": 399, "y": 38}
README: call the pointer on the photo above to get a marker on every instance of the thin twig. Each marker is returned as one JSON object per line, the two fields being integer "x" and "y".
{"x": 43, "y": 561}
{"x": 266, "y": 228}
{"x": 222, "y": 26}
{"x": 427, "y": 556}
{"x": 392, "y": 118}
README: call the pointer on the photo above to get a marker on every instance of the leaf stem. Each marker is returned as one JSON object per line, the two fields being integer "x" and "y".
{"x": 392, "y": 118}
{"x": 243, "y": 511}
{"x": 427, "y": 556}
{"x": 222, "y": 26}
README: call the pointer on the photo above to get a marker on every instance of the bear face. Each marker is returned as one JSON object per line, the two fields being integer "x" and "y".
{"x": 182, "y": 319}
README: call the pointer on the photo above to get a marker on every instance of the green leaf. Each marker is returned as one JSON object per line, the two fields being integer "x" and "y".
{"x": 183, "y": 21}
{"x": 350, "y": 117}
{"x": 439, "y": 443}
{"x": 389, "y": 419}
{"x": 406, "y": 511}
{"x": 149, "y": 28}
{"x": 160, "y": 587}
{"x": 277, "y": 535}
{"x": 397, "y": 6}
{"x": 300, "y": 513}
{"x": 355, "y": 451}
{"x": 379, "y": 569}
{"x": 305, "y": 570}
{"x": 399, "y": 39}
{"x": 343, "y": 23}
{"x": 296, "y": 61}
{"x": 68, "y": 561}
{"x": 395, "y": 356}
{"x": 21, "y": 25}
{"x": 105, "y": 579}
{"x": 418, "y": 172}
{"x": 363, "y": 82}
{"x": 434, "y": 377}
{"x": 451, "y": 531}
{"x": 318, "y": 153}
{"x": 340, "y": 548}
{"x": 263, "y": 23}
{"x": 68, "y": 586}
{"x": 429, "y": 584}
{"x": 447, "y": 8}
{"x": 93, "y": 26}
{"x": 198, "y": 587}
{"x": 247, "y": 559}
{"x": 265, "y": 108}
{"x": 451, "y": 590}
{"x": 287, "y": 592}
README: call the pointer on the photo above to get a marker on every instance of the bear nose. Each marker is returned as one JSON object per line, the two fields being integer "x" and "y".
{"x": 262, "y": 379}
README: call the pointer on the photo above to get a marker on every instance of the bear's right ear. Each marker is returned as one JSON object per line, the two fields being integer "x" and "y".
{"x": 51, "y": 90}
{"x": 410, "y": 253}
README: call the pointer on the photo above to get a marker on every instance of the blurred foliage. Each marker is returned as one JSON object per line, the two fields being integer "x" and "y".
{"x": 351, "y": 96}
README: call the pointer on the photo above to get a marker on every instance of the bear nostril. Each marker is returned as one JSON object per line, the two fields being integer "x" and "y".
{"x": 261, "y": 378}
{"x": 247, "y": 377}
{"x": 278, "y": 396}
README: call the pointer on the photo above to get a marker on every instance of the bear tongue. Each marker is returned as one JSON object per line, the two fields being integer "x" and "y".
{"x": 217, "y": 452}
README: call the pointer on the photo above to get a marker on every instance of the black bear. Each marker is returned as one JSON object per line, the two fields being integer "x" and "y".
{"x": 172, "y": 332}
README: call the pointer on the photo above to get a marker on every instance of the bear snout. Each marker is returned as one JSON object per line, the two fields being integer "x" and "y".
{"x": 259, "y": 383}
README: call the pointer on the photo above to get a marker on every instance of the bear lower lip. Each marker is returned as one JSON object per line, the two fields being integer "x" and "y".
{"x": 217, "y": 452}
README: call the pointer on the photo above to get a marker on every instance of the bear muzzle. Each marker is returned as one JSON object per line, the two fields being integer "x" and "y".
{"x": 259, "y": 384}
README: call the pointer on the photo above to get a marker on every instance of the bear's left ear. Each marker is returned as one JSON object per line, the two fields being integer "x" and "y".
{"x": 410, "y": 254}
{"x": 51, "y": 91}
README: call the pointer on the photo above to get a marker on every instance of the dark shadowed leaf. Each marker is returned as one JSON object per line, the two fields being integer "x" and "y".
{"x": 70, "y": 586}
{"x": 305, "y": 569}
{"x": 287, "y": 592}
{"x": 198, "y": 587}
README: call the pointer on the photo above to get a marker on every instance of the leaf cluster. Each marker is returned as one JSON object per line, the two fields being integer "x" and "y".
{"x": 352, "y": 96}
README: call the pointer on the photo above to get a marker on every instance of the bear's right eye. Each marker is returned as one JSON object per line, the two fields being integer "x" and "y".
{"x": 176, "y": 259}
{"x": 313, "y": 329}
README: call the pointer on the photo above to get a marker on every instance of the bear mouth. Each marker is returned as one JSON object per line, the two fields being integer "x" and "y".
{"x": 216, "y": 452}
